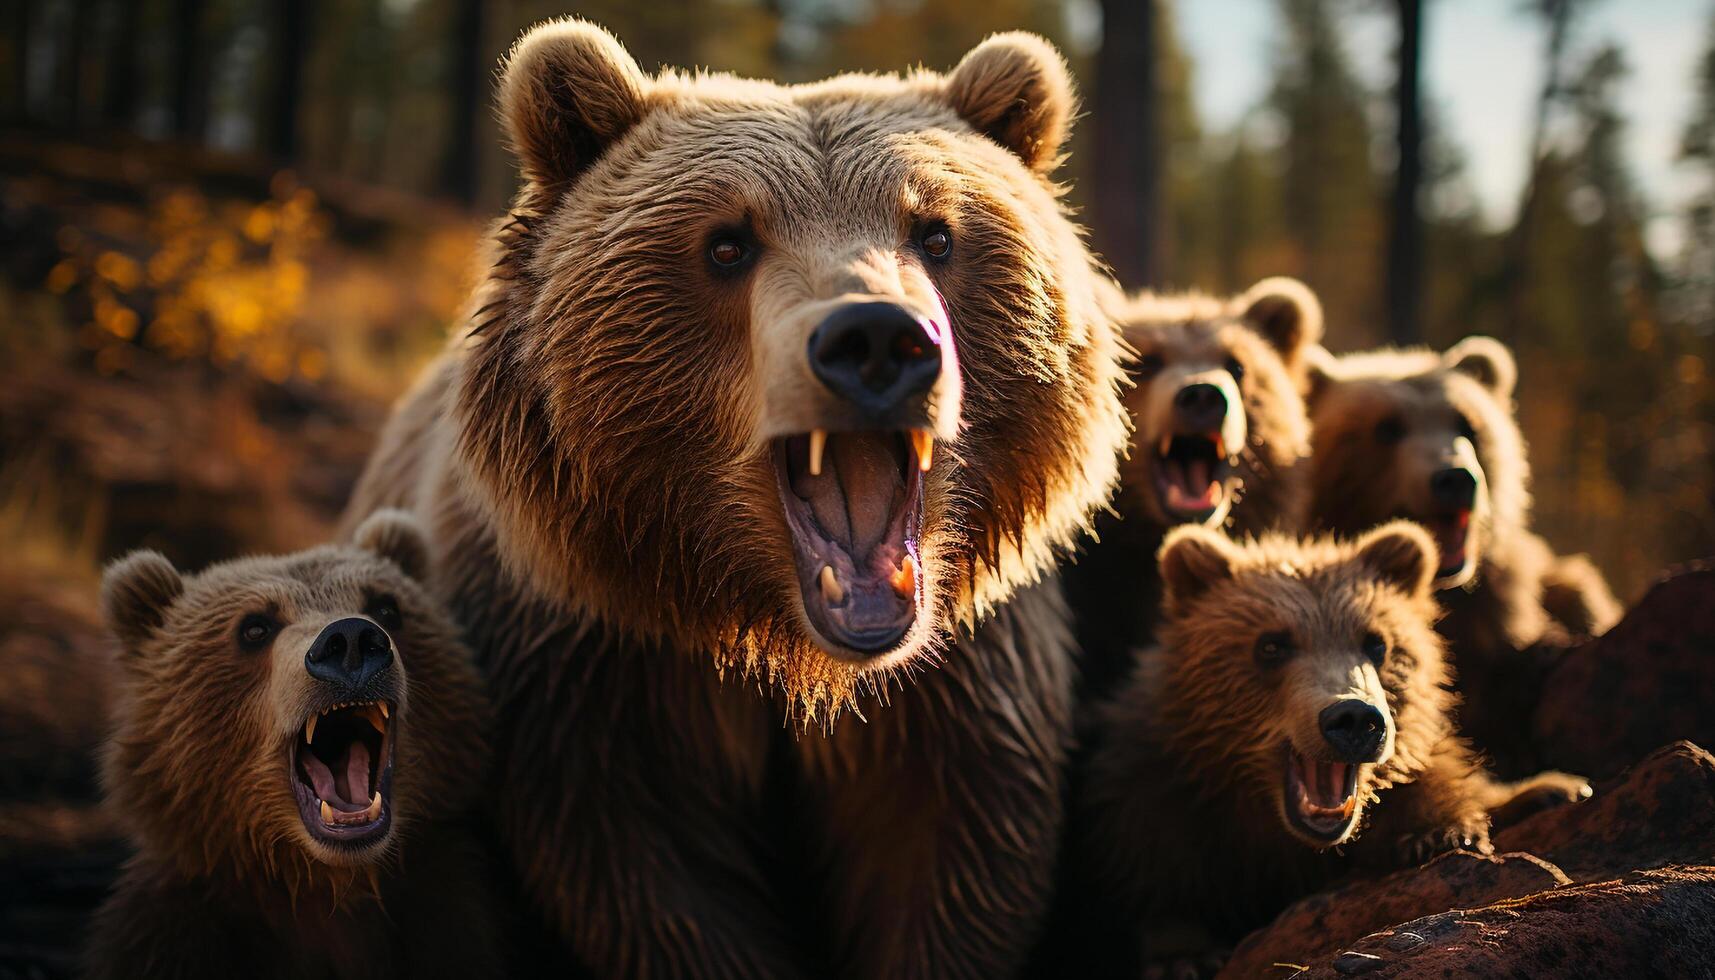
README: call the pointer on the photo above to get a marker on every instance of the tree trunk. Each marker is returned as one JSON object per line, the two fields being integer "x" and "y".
{"x": 119, "y": 100}
{"x": 1127, "y": 146}
{"x": 21, "y": 60}
{"x": 189, "y": 101}
{"x": 468, "y": 90}
{"x": 1405, "y": 240}
{"x": 291, "y": 47}
{"x": 1515, "y": 276}
{"x": 72, "y": 68}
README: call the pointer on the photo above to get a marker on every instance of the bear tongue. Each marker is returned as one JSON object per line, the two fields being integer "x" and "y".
{"x": 346, "y": 790}
{"x": 855, "y": 497}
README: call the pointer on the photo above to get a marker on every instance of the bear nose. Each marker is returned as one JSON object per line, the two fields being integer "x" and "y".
{"x": 349, "y": 653}
{"x": 1454, "y": 488}
{"x": 1355, "y": 729}
{"x": 1201, "y": 406}
{"x": 875, "y": 355}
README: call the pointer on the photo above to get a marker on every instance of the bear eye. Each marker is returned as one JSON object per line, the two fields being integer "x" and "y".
{"x": 938, "y": 244}
{"x": 1390, "y": 430}
{"x": 1375, "y": 648}
{"x": 727, "y": 252}
{"x": 255, "y": 630}
{"x": 384, "y": 610}
{"x": 1235, "y": 369}
{"x": 1273, "y": 648}
{"x": 1148, "y": 366}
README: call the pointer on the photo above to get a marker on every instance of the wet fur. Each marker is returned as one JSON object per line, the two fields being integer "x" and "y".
{"x": 696, "y": 789}
{"x": 225, "y": 881}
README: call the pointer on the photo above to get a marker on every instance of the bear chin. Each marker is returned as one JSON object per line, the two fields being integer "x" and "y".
{"x": 854, "y": 504}
{"x": 1320, "y": 800}
{"x": 340, "y": 766}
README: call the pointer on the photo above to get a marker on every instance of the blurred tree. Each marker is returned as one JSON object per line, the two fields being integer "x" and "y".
{"x": 1696, "y": 292}
{"x": 289, "y": 37}
{"x": 1128, "y": 152}
{"x": 188, "y": 105}
{"x": 120, "y": 86}
{"x": 73, "y": 66}
{"x": 467, "y": 84}
{"x": 1405, "y": 231}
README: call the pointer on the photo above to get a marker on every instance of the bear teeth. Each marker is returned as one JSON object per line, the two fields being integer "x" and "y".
{"x": 831, "y": 590}
{"x": 310, "y": 730}
{"x": 924, "y": 444}
{"x": 904, "y": 581}
{"x": 818, "y": 443}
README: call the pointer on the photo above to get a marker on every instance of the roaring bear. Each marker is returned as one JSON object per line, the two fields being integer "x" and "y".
{"x": 1219, "y": 436}
{"x": 1432, "y": 438}
{"x": 299, "y": 743}
{"x": 1293, "y": 724}
{"x": 746, "y": 477}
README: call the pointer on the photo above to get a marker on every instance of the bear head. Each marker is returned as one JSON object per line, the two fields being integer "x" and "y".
{"x": 1424, "y": 436}
{"x": 802, "y": 375}
{"x": 1305, "y": 675}
{"x": 289, "y": 716}
{"x": 1217, "y": 405}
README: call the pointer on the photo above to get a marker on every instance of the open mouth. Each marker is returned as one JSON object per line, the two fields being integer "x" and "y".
{"x": 1321, "y": 798}
{"x": 1452, "y": 533}
{"x": 854, "y": 507}
{"x": 1191, "y": 476}
{"x": 343, "y": 773}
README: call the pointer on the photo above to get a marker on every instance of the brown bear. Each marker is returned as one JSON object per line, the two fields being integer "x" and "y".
{"x": 1432, "y": 438}
{"x": 1219, "y": 436}
{"x": 297, "y": 742}
{"x": 746, "y": 477}
{"x": 1292, "y": 725}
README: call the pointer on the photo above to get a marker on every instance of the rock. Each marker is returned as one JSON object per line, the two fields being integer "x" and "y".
{"x": 1648, "y": 681}
{"x": 1659, "y": 814}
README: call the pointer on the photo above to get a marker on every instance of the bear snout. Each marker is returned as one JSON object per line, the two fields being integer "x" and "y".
{"x": 1454, "y": 488}
{"x": 1201, "y": 407}
{"x": 349, "y": 654}
{"x": 1355, "y": 729}
{"x": 876, "y": 355}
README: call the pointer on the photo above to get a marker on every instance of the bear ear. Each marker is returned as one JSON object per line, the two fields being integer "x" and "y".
{"x": 1401, "y": 553}
{"x": 1194, "y": 559}
{"x": 396, "y": 536}
{"x": 1014, "y": 88}
{"x": 135, "y": 593}
{"x": 1319, "y": 372}
{"x": 1286, "y": 312}
{"x": 568, "y": 90}
{"x": 1486, "y": 359}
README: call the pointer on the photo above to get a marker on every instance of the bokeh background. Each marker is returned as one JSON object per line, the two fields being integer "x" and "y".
{"x": 232, "y": 230}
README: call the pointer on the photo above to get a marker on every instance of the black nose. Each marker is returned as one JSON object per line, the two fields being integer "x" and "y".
{"x": 1356, "y": 729}
{"x": 349, "y": 653}
{"x": 1455, "y": 488}
{"x": 1201, "y": 406}
{"x": 875, "y": 355}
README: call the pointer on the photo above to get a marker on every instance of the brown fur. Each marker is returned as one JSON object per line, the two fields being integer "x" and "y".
{"x": 225, "y": 880}
{"x": 1192, "y": 751}
{"x": 1521, "y": 594}
{"x": 1179, "y": 339}
{"x": 593, "y": 456}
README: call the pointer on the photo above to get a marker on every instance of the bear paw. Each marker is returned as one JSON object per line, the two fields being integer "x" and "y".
{"x": 1470, "y": 834}
{"x": 1543, "y": 791}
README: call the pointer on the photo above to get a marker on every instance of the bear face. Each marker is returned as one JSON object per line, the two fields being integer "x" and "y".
{"x": 1217, "y": 405}
{"x": 1424, "y": 436}
{"x": 278, "y": 709}
{"x": 1311, "y": 668}
{"x": 798, "y": 374}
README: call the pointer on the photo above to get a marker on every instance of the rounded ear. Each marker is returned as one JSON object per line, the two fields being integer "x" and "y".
{"x": 1014, "y": 88}
{"x": 1319, "y": 366}
{"x": 396, "y": 536}
{"x": 1286, "y": 312}
{"x": 1487, "y": 360}
{"x": 136, "y": 592}
{"x": 1401, "y": 553}
{"x": 568, "y": 90}
{"x": 1194, "y": 559}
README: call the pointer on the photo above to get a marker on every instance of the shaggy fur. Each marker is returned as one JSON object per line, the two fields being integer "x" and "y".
{"x": 1178, "y": 340}
{"x": 593, "y": 456}
{"x": 1193, "y": 749}
{"x": 226, "y": 881}
{"x": 1520, "y": 595}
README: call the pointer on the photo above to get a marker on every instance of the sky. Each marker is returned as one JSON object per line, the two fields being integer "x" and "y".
{"x": 1483, "y": 70}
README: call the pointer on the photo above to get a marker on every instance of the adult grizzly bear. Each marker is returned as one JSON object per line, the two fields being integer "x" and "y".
{"x": 1293, "y": 724}
{"x": 1432, "y": 437}
{"x": 774, "y": 409}
{"x": 297, "y": 742}
{"x": 1219, "y": 438}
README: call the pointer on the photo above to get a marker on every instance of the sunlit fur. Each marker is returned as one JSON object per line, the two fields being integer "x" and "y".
{"x": 702, "y": 791}
{"x": 1358, "y": 483}
{"x": 198, "y": 768}
{"x": 1183, "y": 809}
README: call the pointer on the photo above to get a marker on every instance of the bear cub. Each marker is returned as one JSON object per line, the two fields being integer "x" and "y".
{"x": 1292, "y": 724}
{"x": 296, "y": 743}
